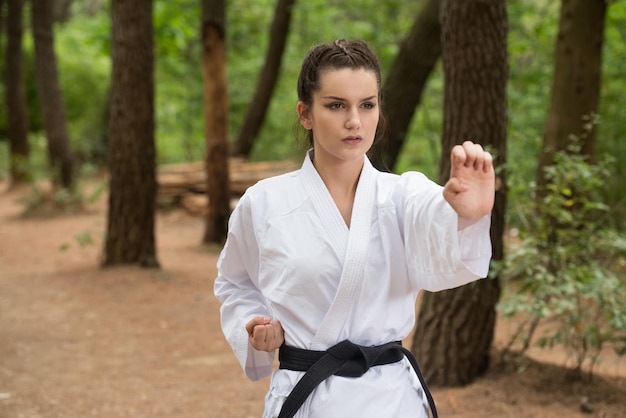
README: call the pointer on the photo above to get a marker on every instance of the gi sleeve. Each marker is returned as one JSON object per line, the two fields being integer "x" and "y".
{"x": 439, "y": 256}
{"x": 236, "y": 289}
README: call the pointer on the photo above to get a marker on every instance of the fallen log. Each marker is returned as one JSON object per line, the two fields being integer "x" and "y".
{"x": 180, "y": 184}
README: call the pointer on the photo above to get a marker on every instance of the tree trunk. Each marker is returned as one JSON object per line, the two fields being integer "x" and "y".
{"x": 50, "y": 95}
{"x": 406, "y": 81}
{"x": 2, "y": 28}
{"x": 577, "y": 78}
{"x": 216, "y": 119}
{"x": 17, "y": 113}
{"x": 269, "y": 75}
{"x": 62, "y": 10}
{"x": 132, "y": 156}
{"x": 455, "y": 327}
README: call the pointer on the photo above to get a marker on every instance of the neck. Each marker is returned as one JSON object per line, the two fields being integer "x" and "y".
{"x": 340, "y": 177}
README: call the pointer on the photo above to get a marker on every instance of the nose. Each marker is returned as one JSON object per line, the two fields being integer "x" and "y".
{"x": 353, "y": 120}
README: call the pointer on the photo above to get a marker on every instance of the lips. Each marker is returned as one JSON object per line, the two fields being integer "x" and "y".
{"x": 352, "y": 139}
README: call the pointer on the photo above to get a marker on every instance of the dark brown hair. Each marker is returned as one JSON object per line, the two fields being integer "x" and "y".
{"x": 337, "y": 55}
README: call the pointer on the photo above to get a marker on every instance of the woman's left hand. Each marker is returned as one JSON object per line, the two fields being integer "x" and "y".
{"x": 471, "y": 188}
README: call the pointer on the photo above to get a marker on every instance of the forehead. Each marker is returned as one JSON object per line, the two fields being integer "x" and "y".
{"x": 348, "y": 82}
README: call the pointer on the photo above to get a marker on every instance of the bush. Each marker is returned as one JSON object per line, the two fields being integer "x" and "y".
{"x": 568, "y": 267}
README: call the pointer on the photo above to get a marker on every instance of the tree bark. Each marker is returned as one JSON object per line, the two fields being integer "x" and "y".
{"x": 50, "y": 95}
{"x": 455, "y": 327}
{"x": 2, "y": 27}
{"x": 62, "y": 10}
{"x": 575, "y": 90}
{"x": 216, "y": 119}
{"x": 267, "y": 81}
{"x": 132, "y": 155}
{"x": 405, "y": 83}
{"x": 17, "y": 113}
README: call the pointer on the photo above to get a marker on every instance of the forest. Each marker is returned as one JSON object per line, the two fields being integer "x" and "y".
{"x": 82, "y": 46}
{"x": 87, "y": 124}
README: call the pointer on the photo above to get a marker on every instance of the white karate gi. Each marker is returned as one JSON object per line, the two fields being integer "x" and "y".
{"x": 290, "y": 256}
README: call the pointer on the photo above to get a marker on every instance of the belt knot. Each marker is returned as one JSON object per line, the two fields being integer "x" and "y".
{"x": 356, "y": 359}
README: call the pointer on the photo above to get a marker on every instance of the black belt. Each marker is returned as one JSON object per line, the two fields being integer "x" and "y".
{"x": 343, "y": 359}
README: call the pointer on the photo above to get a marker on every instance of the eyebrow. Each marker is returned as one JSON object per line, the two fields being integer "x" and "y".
{"x": 342, "y": 99}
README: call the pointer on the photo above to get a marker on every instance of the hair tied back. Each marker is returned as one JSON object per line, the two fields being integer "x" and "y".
{"x": 340, "y": 43}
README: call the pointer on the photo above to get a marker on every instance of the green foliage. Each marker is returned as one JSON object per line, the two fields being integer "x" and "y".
{"x": 532, "y": 35}
{"x": 568, "y": 268}
{"x": 422, "y": 146}
{"x": 83, "y": 239}
{"x": 178, "y": 78}
{"x": 40, "y": 202}
{"x": 533, "y": 28}
{"x": 313, "y": 21}
{"x": 44, "y": 201}
{"x": 612, "y": 104}
{"x": 83, "y": 53}
{"x": 80, "y": 43}
{"x": 22, "y": 167}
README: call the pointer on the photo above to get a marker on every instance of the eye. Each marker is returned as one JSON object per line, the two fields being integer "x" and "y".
{"x": 335, "y": 105}
{"x": 368, "y": 105}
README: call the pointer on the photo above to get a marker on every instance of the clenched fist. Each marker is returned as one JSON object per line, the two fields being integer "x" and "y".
{"x": 265, "y": 334}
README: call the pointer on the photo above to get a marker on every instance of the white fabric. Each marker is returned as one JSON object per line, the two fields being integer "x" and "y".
{"x": 290, "y": 256}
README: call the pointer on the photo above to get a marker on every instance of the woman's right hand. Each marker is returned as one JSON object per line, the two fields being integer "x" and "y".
{"x": 265, "y": 334}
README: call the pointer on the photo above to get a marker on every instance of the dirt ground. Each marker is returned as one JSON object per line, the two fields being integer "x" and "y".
{"x": 79, "y": 341}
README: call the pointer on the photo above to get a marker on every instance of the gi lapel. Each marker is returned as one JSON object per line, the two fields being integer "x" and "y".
{"x": 325, "y": 207}
{"x": 355, "y": 261}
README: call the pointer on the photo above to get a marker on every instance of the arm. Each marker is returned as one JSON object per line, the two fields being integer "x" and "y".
{"x": 447, "y": 240}
{"x": 242, "y": 301}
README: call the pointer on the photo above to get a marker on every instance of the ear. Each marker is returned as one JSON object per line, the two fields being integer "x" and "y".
{"x": 304, "y": 116}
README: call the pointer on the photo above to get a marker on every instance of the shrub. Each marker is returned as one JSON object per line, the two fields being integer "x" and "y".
{"x": 568, "y": 268}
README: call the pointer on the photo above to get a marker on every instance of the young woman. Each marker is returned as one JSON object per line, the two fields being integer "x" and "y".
{"x": 324, "y": 264}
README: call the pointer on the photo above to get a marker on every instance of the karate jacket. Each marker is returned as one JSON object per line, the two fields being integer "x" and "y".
{"x": 289, "y": 255}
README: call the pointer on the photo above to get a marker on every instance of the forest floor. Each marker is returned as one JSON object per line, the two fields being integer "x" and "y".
{"x": 79, "y": 341}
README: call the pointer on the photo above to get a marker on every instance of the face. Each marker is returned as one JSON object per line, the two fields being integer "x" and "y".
{"x": 344, "y": 115}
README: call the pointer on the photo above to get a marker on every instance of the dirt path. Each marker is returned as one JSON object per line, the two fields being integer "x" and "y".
{"x": 80, "y": 341}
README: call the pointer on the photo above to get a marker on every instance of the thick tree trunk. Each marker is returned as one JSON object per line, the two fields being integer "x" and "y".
{"x": 405, "y": 83}
{"x": 269, "y": 75}
{"x": 455, "y": 328}
{"x": 577, "y": 78}
{"x": 50, "y": 95}
{"x": 17, "y": 114}
{"x": 216, "y": 119}
{"x": 132, "y": 156}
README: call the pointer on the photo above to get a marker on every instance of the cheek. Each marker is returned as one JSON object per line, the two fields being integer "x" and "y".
{"x": 373, "y": 120}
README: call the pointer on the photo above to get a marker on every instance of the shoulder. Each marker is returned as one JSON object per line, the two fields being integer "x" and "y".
{"x": 274, "y": 186}
{"x": 273, "y": 194}
{"x": 394, "y": 186}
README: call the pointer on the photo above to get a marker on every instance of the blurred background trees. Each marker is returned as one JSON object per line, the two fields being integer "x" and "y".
{"x": 118, "y": 109}
{"x": 82, "y": 46}
{"x": 16, "y": 126}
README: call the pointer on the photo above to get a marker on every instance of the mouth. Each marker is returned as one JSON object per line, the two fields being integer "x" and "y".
{"x": 352, "y": 139}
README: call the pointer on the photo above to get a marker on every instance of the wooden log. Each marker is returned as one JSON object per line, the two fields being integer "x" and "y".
{"x": 177, "y": 181}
